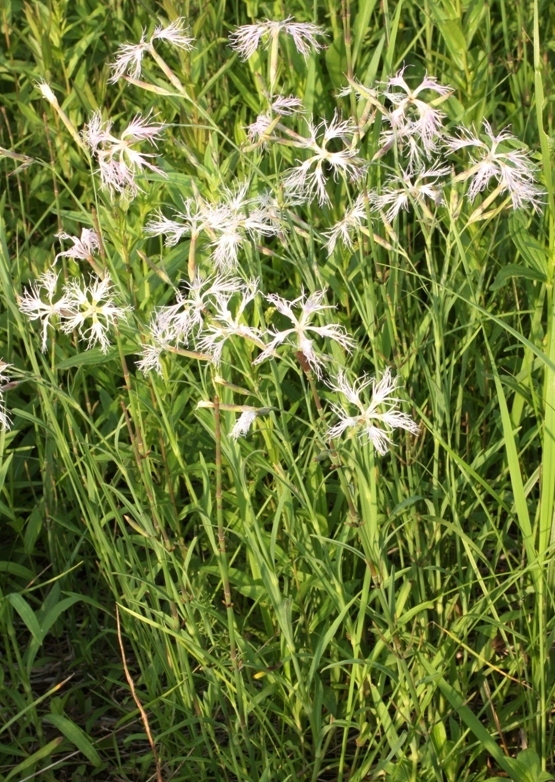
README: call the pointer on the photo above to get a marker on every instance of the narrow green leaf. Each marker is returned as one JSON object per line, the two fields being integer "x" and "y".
{"x": 40, "y": 754}
{"x": 514, "y": 270}
{"x": 517, "y": 483}
{"x": 76, "y": 735}
{"x": 470, "y": 720}
{"x": 27, "y": 614}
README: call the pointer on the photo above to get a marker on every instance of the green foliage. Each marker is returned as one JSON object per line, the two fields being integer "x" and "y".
{"x": 409, "y": 640}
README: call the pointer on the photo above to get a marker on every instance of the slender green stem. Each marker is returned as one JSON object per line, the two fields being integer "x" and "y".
{"x": 354, "y": 518}
{"x": 223, "y": 561}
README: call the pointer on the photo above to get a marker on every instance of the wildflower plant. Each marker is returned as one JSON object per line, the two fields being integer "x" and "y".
{"x": 303, "y": 328}
{"x": 40, "y": 302}
{"x": 119, "y": 162}
{"x": 83, "y": 247}
{"x": 493, "y": 159}
{"x": 129, "y": 57}
{"x": 88, "y": 308}
{"x": 375, "y": 420}
{"x": 209, "y": 380}
{"x": 308, "y": 178}
{"x": 413, "y": 122}
{"x": 249, "y": 37}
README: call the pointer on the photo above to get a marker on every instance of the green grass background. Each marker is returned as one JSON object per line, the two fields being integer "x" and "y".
{"x": 417, "y": 646}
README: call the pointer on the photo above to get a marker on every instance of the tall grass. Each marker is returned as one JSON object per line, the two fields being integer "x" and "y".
{"x": 290, "y": 607}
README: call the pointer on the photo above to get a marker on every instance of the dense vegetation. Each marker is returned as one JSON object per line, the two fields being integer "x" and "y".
{"x": 222, "y": 556}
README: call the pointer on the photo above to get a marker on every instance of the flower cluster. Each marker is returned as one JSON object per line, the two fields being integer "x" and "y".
{"x": 228, "y": 223}
{"x": 215, "y": 309}
{"x": 247, "y": 39}
{"x": 90, "y": 308}
{"x": 129, "y": 57}
{"x": 414, "y": 129}
{"x": 118, "y": 160}
{"x": 211, "y": 312}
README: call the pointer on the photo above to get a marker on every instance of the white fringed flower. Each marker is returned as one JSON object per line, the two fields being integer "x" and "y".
{"x": 179, "y": 323}
{"x": 512, "y": 169}
{"x": 228, "y": 223}
{"x": 282, "y": 107}
{"x": 247, "y": 39}
{"x": 119, "y": 163}
{"x": 5, "y": 420}
{"x": 351, "y": 222}
{"x": 83, "y": 248}
{"x": 33, "y": 306}
{"x": 410, "y": 188}
{"x": 129, "y": 57}
{"x": 243, "y": 424}
{"x": 258, "y": 129}
{"x": 413, "y": 122}
{"x": 238, "y": 219}
{"x": 361, "y": 91}
{"x": 375, "y": 421}
{"x": 226, "y": 324}
{"x": 286, "y": 106}
{"x": 309, "y": 177}
{"x": 197, "y": 215}
{"x": 151, "y": 354}
{"x": 129, "y": 60}
{"x": 303, "y": 327}
{"x": 174, "y": 33}
{"x": 92, "y": 310}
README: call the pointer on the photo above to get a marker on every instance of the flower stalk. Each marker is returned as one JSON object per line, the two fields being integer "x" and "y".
{"x": 221, "y": 554}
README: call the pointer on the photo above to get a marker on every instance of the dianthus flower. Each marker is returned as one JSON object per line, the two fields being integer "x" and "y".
{"x": 226, "y": 324}
{"x": 92, "y": 310}
{"x": 309, "y": 177}
{"x": 247, "y": 39}
{"x": 413, "y": 122}
{"x": 33, "y": 306}
{"x": 352, "y": 221}
{"x": 176, "y": 324}
{"x": 303, "y": 327}
{"x": 374, "y": 421}
{"x": 118, "y": 161}
{"x": 83, "y": 248}
{"x": 512, "y": 169}
{"x": 280, "y": 107}
{"x": 413, "y": 188}
{"x": 129, "y": 57}
{"x": 228, "y": 223}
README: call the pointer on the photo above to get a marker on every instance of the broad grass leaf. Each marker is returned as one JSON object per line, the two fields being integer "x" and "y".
{"x": 528, "y": 764}
{"x": 76, "y": 735}
{"x": 336, "y": 60}
{"x": 514, "y": 270}
{"x": 88, "y": 358}
{"x": 27, "y": 615}
{"x": 533, "y": 252}
{"x": 450, "y": 27}
{"x": 471, "y": 721}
